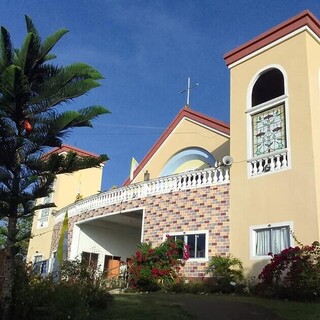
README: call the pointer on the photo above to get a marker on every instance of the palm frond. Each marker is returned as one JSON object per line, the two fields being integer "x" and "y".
{"x": 31, "y": 28}
{"x": 6, "y": 48}
{"x": 22, "y": 55}
{"x": 50, "y": 42}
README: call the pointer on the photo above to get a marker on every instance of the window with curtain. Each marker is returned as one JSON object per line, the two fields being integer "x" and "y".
{"x": 271, "y": 240}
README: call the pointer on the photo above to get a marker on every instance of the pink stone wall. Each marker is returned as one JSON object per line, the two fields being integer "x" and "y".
{"x": 188, "y": 210}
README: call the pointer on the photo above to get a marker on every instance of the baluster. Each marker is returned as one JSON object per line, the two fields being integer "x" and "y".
{"x": 260, "y": 166}
{"x": 200, "y": 178}
{"x": 209, "y": 177}
{"x": 220, "y": 175}
{"x": 278, "y": 162}
{"x": 226, "y": 175}
{"x": 204, "y": 177}
{"x": 215, "y": 176}
{"x": 284, "y": 161}
{"x": 160, "y": 185}
{"x": 254, "y": 169}
{"x": 193, "y": 180}
{"x": 184, "y": 181}
{"x": 188, "y": 182}
{"x": 272, "y": 163}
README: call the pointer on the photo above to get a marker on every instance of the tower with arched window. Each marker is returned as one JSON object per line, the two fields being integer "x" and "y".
{"x": 275, "y": 140}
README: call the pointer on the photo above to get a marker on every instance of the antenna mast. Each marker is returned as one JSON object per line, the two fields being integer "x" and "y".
{"x": 188, "y": 90}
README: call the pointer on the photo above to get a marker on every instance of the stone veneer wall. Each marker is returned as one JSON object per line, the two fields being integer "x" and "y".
{"x": 188, "y": 210}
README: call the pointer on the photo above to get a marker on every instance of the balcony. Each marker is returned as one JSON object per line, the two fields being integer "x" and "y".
{"x": 272, "y": 162}
{"x": 187, "y": 180}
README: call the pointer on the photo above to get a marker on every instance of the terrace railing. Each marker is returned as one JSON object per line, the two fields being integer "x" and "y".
{"x": 187, "y": 180}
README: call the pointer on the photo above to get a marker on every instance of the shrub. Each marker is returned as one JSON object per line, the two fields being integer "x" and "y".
{"x": 294, "y": 273}
{"x": 227, "y": 273}
{"x": 76, "y": 296}
{"x": 156, "y": 268}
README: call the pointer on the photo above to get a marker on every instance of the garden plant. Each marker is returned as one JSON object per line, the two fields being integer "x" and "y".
{"x": 294, "y": 273}
{"x": 156, "y": 268}
{"x": 77, "y": 295}
{"x": 226, "y": 272}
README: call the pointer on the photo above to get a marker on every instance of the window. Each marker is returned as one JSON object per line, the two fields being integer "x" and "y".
{"x": 267, "y": 239}
{"x": 269, "y": 132}
{"x": 43, "y": 219}
{"x": 267, "y": 124}
{"x": 38, "y": 258}
{"x": 90, "y": 259}
{"x": 197, "y": 242}
{"x": 269, "y": 85}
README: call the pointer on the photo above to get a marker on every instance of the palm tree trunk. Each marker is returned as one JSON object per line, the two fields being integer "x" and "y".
{"x": 7, "y": 289}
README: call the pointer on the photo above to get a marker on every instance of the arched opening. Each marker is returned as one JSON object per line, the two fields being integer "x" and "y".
{"x": 268, "y": 86}
{"x": 188, "y": 159}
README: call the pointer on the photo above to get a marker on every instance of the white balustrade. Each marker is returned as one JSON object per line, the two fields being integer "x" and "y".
{"x": 188, "y": 180}
{"x": 275, "y": 161}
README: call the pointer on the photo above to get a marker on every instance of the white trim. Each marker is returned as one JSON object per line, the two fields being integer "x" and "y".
{"x": 142, "y": 225}
{"x": 267, "y": 105}
{"x": 39, "y": 254}
{"x": 275, "y": 43}
{"x": 74, "y": 249}
{"x": 75, "y": 242}
{"x": 253, "y": 110}
{"x": 181, "y": 233}
{"x": 252, "y": 237}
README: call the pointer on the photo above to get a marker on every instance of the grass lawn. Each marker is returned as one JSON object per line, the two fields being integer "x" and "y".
{"x": 146, "y": 307}
{"x": 158, "y": 306}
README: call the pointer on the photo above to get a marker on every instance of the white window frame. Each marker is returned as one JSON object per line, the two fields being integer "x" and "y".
{"x": 253, "y": 237}
{"x": 36, "y": 256}
{"x": 43, "y": 221}
{"x": 185, "y": 233}
{"x": 254, "y": 110}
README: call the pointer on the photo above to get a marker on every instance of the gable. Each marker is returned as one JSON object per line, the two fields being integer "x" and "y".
{"x": 191, "y": 141}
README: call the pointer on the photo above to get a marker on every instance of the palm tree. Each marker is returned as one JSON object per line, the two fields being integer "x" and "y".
{"x": 32, "y": 89}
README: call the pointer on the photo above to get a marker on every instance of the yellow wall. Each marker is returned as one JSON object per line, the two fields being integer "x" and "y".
{"x": 66, "y": 187}
{"x": 289, "y": 195}
{"x": 187, "y": 134}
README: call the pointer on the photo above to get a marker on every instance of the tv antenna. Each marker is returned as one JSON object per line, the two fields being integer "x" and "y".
{"x": 189, "y": 87}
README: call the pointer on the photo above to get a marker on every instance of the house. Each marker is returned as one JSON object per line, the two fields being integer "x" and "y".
{"x": 178, "y": 189}
{"x": 39, "y": 250}
{"x": 187, "y": 186}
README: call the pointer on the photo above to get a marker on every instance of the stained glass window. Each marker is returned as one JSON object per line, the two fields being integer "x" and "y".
{"x": 269, "y": 132}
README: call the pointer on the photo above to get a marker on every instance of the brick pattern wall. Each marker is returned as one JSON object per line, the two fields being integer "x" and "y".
{"x": 188, "y": 210}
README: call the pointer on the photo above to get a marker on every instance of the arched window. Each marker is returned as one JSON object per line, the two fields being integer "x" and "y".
{"x": 268, "y": 86}
{"x": 267, "y": 116}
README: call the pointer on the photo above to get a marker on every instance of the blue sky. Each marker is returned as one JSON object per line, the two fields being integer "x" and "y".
{"x": 146, "y": 50}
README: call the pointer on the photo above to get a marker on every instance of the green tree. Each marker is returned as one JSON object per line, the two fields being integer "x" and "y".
{"x": 32, "y": 89}
{"x": 24, "y": 232}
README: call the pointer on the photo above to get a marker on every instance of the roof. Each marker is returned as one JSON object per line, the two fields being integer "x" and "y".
{"x": 67, "y": 148}
{"x": 185, "y": 112}
{"x": 303, "y": 19}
